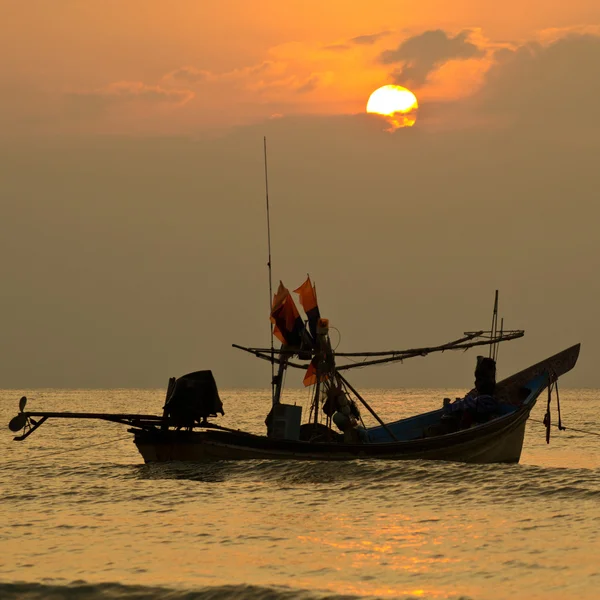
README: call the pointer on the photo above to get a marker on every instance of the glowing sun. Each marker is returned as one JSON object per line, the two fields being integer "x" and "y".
{"x": 396, "y": 103}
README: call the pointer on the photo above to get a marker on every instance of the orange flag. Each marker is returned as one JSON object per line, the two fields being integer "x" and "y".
{"x": 308, "y": 300}
{"x": 308, "y": 295}
{"x": 310, "y": 377}
{"x": 286, "y": 318}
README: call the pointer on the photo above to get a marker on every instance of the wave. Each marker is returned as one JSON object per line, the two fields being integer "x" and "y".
{"x": 115, "y": 591}
{"x": 422, "y": 477}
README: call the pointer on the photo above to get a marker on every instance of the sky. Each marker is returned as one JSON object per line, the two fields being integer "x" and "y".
{"x": 132, "y": 201}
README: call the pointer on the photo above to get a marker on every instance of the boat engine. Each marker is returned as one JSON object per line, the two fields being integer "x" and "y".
{"x": 191, "y": 399}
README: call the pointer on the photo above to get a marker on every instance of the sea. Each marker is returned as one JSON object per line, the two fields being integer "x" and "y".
{"x": 83, "y": 517}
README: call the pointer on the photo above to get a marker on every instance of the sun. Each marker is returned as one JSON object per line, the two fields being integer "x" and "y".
{"x": 396, "y": 103}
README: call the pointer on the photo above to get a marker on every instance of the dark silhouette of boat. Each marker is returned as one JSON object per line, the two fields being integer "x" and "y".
{"x": 486, "y": 426}
{"x": 499, "y": 440}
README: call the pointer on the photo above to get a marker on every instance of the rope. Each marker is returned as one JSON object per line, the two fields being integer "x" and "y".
{"x": 566, "y": 428}
{"x": 340, "y": 337}
{"x": 14, "y": 462}
{"x": 553, "y": 385}
{"x": 560, "y": 425}
{"x": 548, "y": 416}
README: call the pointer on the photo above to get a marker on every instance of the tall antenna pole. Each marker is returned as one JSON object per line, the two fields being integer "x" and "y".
{"x": 270, "y": 269}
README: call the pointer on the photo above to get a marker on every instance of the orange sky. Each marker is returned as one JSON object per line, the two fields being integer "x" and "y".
{"x": 109, "y": 65}
{"x": 124, "y": 247}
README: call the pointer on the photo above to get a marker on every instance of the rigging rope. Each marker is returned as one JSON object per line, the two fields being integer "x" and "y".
{"x": 553, "y": 385}
{"x": 340, "y": 337}
{"x": 563, "y": 428}
{"x": 123, "y": 437}
{"x": 547, "y": 421}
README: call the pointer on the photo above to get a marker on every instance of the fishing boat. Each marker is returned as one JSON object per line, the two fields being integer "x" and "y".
{"x": 487, "y": 425}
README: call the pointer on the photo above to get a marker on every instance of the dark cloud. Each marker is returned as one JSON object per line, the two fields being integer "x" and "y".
{"x": 359, "y": 40}
{"x": 422, "y": 54}
{"x": 557, "y": 84}
{"x": 367, "y": 40}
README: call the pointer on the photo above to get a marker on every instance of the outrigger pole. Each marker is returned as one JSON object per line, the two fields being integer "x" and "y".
{"x": 270, "y": 270}
{"x": 470, "y": 340}
{"x": 25, "y": 421}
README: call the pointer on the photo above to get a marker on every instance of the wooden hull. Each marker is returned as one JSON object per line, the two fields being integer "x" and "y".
{"x": 500, "y": 441}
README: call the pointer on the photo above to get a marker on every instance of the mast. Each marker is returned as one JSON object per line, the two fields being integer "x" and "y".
{"x": 269, "y": 265}
{"x": 494, "y": 325}
{"x": 320, "y": 341}
{"x": 278, "y": 380}
{"x": 498, "y": 343}
{"x": 316, "y": 400}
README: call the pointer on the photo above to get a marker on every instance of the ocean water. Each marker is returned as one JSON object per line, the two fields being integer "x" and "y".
{"x": 83, "y": 517}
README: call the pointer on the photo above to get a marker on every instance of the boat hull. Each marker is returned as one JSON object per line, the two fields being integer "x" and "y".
{"x": 499, "y": 441}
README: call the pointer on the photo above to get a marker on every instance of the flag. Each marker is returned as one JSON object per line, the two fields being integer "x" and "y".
{"x": 308, "y": 300}
{"x": 310, "y": 377}
{"x": 286, "y": 318}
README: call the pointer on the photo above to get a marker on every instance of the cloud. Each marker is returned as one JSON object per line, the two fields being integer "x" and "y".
{"x": 283, "y": 86}
{"x": 368, "y": 40}
{"x": 188, "y": 74}
{"x": 554, "y": 84}
{"x": 360, "y": 40}
{"x": 287, "y": 71}
{"x": 240, "y": 77}
{"x": 420, "y": 55}
{"x": 337, "y": 47}
{"x": 311, "y": 84}
{"x": 125, "y": 92}
{"x": 499, "y": 82}
{"x": 540, "y": 88}
{"x": 553, "y": 34}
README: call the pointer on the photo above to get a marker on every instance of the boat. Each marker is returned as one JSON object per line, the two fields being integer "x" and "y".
{"x": 487, "y": 425}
